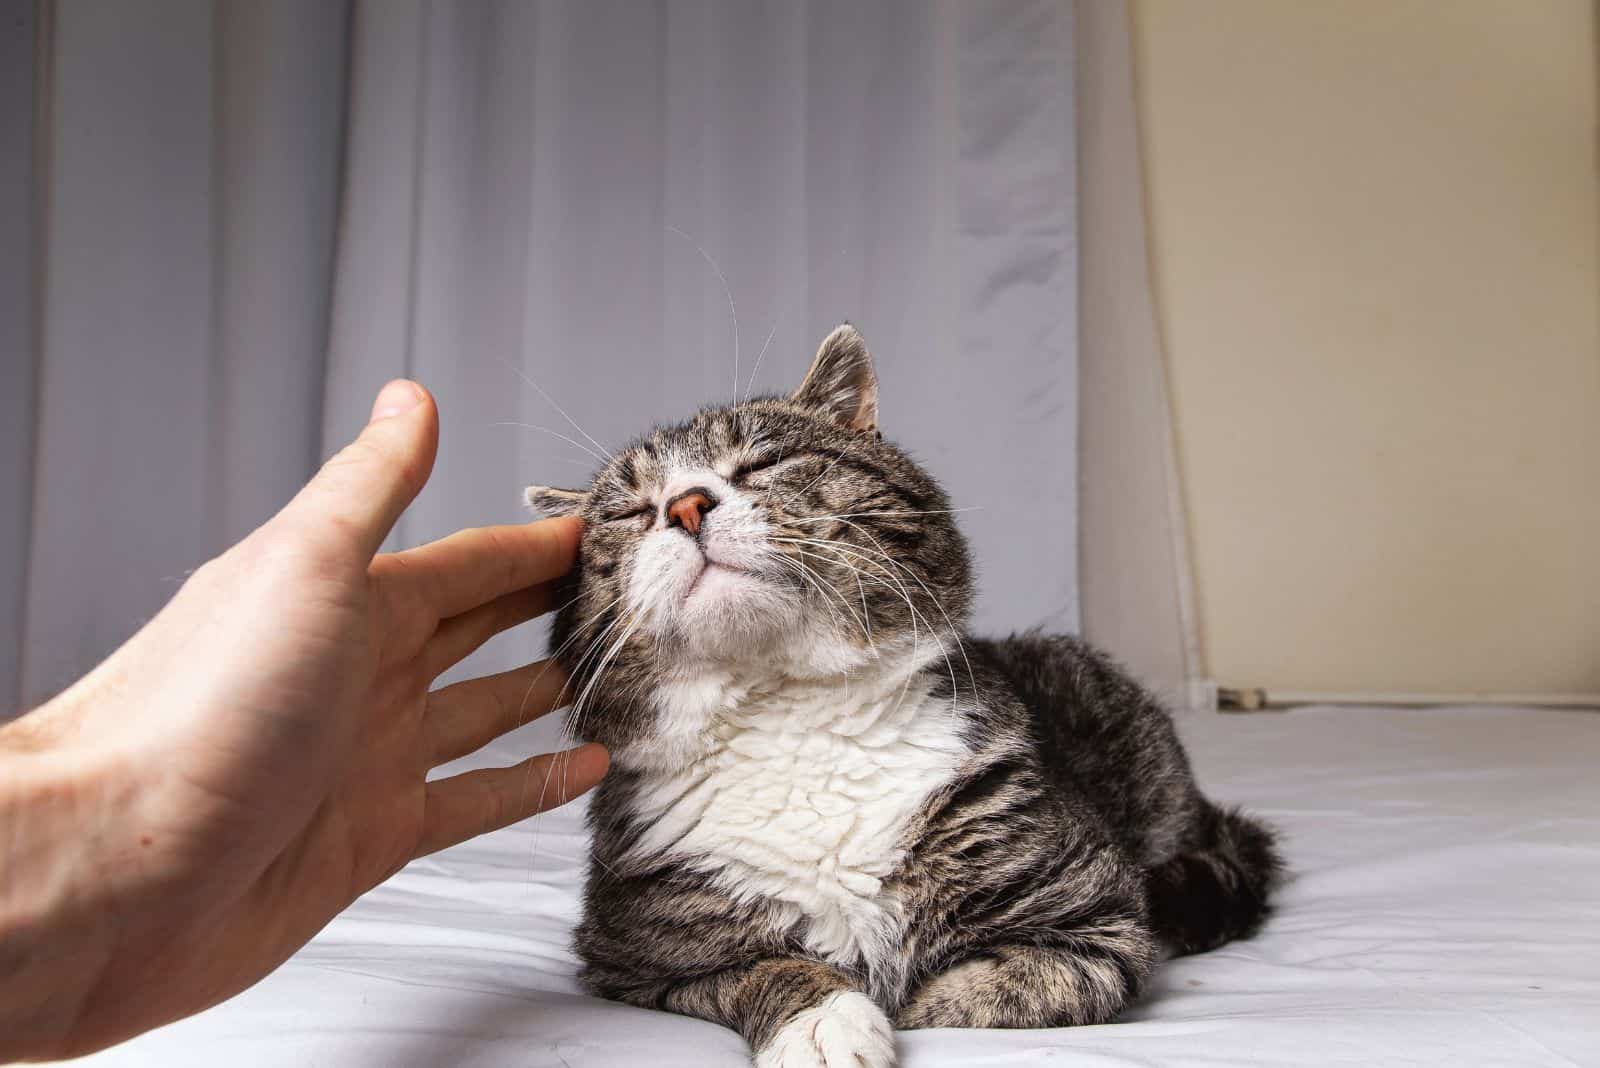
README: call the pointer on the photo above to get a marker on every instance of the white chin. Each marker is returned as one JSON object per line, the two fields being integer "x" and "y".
{"x": 728, "y": 610}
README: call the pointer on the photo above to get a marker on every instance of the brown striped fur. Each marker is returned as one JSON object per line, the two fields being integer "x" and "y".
{"x": 1039, "y": 883}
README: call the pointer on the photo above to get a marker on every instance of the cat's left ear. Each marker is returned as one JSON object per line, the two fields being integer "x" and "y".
{"x": 841, "y": 381}
{"x": 552, "y": 502}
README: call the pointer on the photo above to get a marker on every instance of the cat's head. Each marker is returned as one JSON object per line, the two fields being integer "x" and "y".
{"x": 780, "y": 538}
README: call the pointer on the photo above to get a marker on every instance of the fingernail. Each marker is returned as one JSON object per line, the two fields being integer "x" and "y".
{"x": 396, "y": 398}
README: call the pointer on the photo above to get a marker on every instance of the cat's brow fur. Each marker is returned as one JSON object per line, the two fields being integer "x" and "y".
{"x": 968, "y": 832}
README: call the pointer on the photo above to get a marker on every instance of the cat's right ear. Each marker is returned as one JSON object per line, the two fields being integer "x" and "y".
{"x": 547, "y": 500}
{"x": 841, "y": 382}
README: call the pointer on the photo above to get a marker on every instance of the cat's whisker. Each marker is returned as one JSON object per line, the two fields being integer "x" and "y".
{"x": 863, "y": 591}
{"x": 865, "y": 618}
{"x": 733, "y": 312}
{"x": 955, "y": 632}
{"x": 522, "y": 705}
{"x": 916, "y": 643}
{"x": 834, "y": 590}
{"x": 569, "y": 732}
{"x": 552, "y": 433}
{"x": 554, "y": 656}
{"x": 880, "y": 515}
{"x": 760, "y": 356}
{"x": 902, "y": 590}
{"x": 932, "y": 632}
{"x": 566, "y": 734}
{"x": 843, "y": 451}
{"x": 560, "y": 410}
{"x": 573, "y": 725}
{"x": 810, "y": 577}
{"x": 581, "y": 704}
{"x": 575, "y": 716}
{"x": 937, "y": 603}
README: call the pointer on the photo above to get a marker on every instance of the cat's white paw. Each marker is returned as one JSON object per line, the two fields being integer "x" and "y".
{"x": 846, "y": 1031}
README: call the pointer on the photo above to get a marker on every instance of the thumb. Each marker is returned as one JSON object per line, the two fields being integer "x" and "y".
{"x": 366, "y": 485}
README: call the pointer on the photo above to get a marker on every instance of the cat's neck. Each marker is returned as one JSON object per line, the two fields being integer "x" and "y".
{"x": 703, "y": 709}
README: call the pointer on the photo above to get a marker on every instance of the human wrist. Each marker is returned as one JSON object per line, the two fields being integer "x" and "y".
{"x": 58, "y": 809}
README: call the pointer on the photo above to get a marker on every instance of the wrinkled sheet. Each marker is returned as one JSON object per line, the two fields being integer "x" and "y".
{"x": 1445, "y": 910}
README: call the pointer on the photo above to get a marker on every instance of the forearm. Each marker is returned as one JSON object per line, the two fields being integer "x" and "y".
{"x": 57, "y": 934}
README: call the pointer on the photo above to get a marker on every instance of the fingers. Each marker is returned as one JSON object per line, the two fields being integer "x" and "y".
{"x": 465, "y": 717}
{"x": 465, "y": 806}
{"x": 459, "y": 635}
{"x": 473, "y": 567}
{"x": 363, "y": 489}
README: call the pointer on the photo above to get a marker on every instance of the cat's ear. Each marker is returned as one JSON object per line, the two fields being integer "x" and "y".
{"x": 551, "y": 501}
{"x": 841, "y": 381}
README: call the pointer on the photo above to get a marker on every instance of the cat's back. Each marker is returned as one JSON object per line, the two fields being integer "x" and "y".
{"x": 1100, "y": 735}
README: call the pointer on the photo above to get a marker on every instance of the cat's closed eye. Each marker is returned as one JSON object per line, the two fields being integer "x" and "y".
{"x": 636, "y": 513}
{"x": 753, "y": 465}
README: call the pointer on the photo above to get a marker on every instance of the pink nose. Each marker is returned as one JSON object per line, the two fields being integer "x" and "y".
{"x": 687, "y": 508}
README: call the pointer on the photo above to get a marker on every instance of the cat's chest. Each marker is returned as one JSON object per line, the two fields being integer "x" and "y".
{"x": 811, "y": 809}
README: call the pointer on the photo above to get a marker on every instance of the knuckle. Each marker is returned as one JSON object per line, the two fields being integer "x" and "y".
{"x": 377, "y": 448}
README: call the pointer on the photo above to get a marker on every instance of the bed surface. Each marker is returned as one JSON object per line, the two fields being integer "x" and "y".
{"x": 1445, "y": 910}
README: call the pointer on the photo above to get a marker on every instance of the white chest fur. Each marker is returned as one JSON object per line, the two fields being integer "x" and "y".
{"x": 803, "y": 795}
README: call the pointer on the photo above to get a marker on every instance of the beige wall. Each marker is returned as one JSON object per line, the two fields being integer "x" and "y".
{"x": 1374, "y": 251}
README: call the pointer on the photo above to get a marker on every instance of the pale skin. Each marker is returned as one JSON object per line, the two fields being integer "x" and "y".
{"x": 180, "y": 821}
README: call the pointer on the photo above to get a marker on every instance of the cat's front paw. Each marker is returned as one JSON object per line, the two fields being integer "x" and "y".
{"x": 845, "y": 1031}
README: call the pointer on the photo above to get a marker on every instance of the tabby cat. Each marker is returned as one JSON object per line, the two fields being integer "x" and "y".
{"x": 831, "y": 812}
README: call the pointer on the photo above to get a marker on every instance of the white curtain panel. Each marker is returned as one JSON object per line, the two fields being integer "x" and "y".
{"x": 551, "y": 213}
{"x": 18, "y": 339}
{"x": 186, "y": 194}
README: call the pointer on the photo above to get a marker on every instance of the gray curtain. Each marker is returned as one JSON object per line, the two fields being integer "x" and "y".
{"x": 250, "y": 215}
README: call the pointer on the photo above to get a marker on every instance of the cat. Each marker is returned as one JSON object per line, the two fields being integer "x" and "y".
{"x": 830, "y": 811}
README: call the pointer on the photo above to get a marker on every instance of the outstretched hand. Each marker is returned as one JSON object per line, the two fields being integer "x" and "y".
{"x": 256, "y": 757}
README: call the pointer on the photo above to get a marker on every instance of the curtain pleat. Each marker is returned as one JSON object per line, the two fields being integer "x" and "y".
{"x": 21, "y": 112}
{"x": 551, "y": 214}
{"x": 192, "y": 168}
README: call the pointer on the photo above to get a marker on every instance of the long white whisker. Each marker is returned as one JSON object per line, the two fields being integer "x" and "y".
{"x": 791, "y": 496}
{"x": 809, "y": 577}
{"x": 566, "y": 735}
{"x": 865, "y": 617}
{"x": 569, "y": 732}
{"x": 552, "y": 433}
{"x": 832, "y": 589}
{"x": 932, "y": 631}
{"x": 954, "y": 632}
{"x": 552, "y": 402}
{"x": 905, "y": 595}
{"x": 762, "y": 356}
{"x": 937, "y": 603}
{"x": 877, "y": 515}
{"x": 726, "y": 289}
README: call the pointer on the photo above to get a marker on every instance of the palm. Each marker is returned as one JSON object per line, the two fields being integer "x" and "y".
{"x": 301, "y": 781}
{"x": 351, "y": 744}
{"x": 256, "y": 757}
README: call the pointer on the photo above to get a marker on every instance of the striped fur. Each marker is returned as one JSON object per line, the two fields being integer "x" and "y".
{"x": 830, "y": 809}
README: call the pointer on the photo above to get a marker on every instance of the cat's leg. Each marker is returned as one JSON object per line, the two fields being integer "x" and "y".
{"x": 681, "y": 944}
{"x": 1217, "y": 889}
{"x": 795, "y": 1013}
{"x": 1083, "y": 980}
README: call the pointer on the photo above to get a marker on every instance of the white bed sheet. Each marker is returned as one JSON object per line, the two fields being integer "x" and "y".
{"x": 1445, "y": 910}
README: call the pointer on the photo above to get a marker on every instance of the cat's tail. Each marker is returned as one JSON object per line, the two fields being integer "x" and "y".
{"x": 1219, "y": 888}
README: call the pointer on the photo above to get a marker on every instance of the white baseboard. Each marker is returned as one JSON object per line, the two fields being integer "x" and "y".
{"x": 1252, "y": 699}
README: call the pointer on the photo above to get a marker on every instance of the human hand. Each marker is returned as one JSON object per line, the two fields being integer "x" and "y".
{"x": 255, "y": 758}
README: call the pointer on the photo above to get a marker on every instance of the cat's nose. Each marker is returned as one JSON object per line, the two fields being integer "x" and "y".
{"x": 687, "y": 508}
